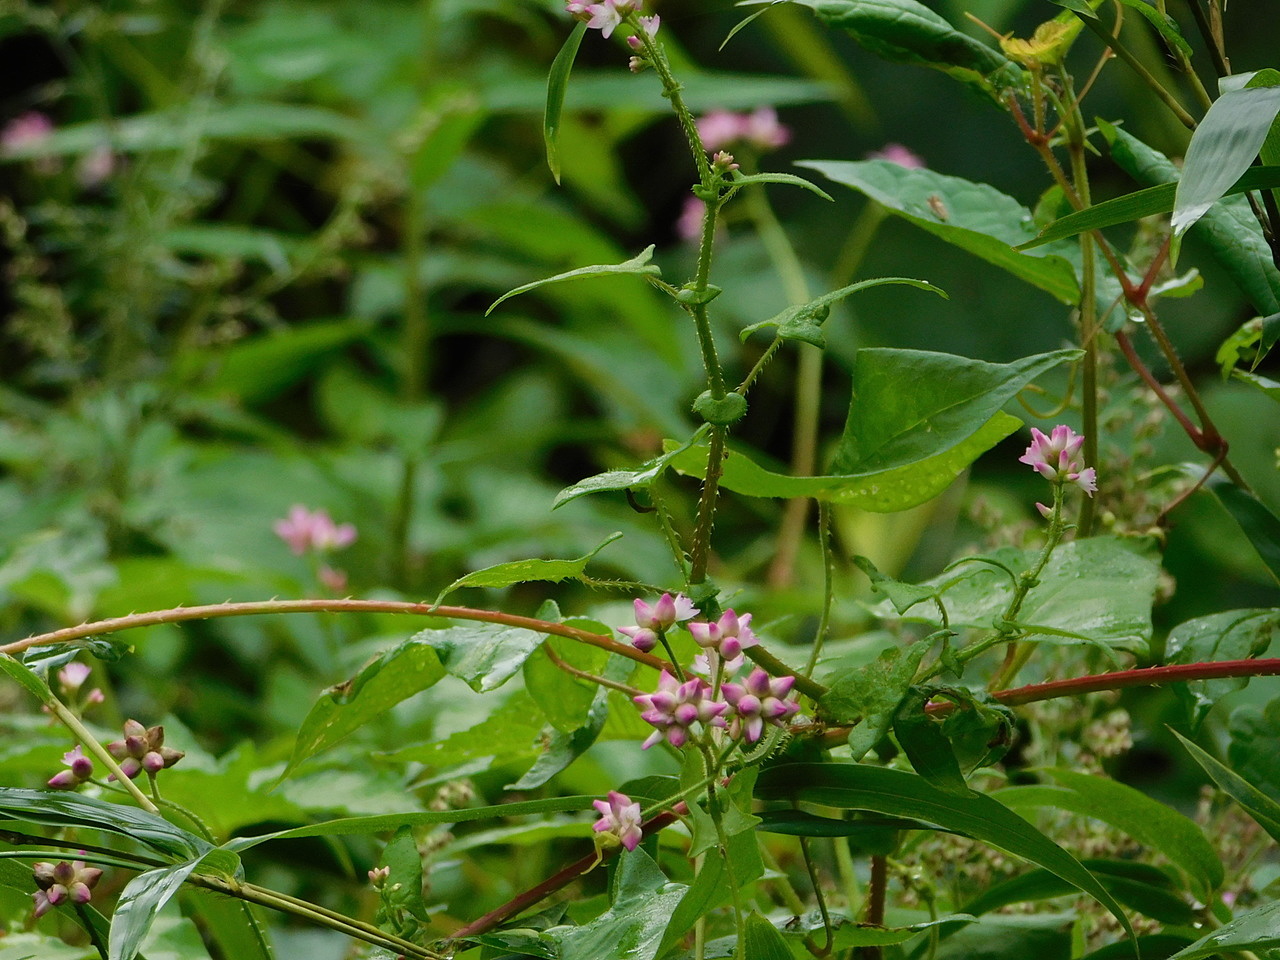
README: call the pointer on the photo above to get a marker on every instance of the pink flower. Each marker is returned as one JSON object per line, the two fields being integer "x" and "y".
{"x": 728, "y": 636}
{"x": 305, "y": 530}
{"x": 1053, "y": 457}
{"x": 689, "y": 223}
{"x": 60, "y": 881}
{"x": 760, "y": 128}
{"x": 758, "y": 700}
{"x": 24, "y": 131}
{"x": 619, "y": 819}
{"x": 333, "y": 580}
{"x": 605, "y": 17}
{"x": 378, "y": 876}
{"x": 897, "y": 153}
{"x": 676, "y": 707}
{"x": 80, "y": 770}
{"x": 718, "y": 129}
{"x": 72, "y": 677}
{"x": 652, "y": 621}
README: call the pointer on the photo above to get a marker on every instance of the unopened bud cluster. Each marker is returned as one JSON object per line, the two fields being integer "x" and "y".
{"x": 608, "y": 15}
{"x": 140, "y": 749}
{"x": 61, "y": 882}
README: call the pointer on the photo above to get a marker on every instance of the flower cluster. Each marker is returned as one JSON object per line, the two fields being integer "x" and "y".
{"x": 675, "y": 707}
{"x": 142, "y": 748}
{"x": 619, "y": 820}
{"x": 759, "y": 129}
{"x": 758, "y": 700}
{"x": 62, "y": 881}
{"x": 1053, "y": 457}
{"x": 608, "y": 15}
{"x": 654, "y": 621}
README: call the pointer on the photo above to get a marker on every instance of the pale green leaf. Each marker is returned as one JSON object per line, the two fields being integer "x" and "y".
{"x": 526, "y": 571}
{"x": 638, "y": 265}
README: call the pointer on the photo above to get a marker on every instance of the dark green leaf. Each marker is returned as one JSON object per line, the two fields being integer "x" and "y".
{"x": 638, "y": 265}
{"x": 926, "y": 745}
{"x": 63, "y": 810}
{"x": 526, "y": 571}
{"x": 1259, "y": 929}
{"x": 1143, "y": 887}
{"x": 402, "y": 889}
{"x": 799, "y": 823}
{"x": 233, "y": 925}
{"x": 1223, "y": 146}
{"x": 903, "y": 596}
{"x": 1254, "y": 731}
{"x": 1255, "y": 802}
{"x": 557, "y": 84}
{"x": 1157, "y": 946}
{"x": 1230, "y": 635}
{"x": 1259, "y": 524}
{"x": 1165, "y": 25}
{"x": 857, "y": 786}
{"x": 1148, "y": 821}
{"x": 1042, "y": 936}
{"x": 341, "y": 710}
{"x": 906, "y": 31}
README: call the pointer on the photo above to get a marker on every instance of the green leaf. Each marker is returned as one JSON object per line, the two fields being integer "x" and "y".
{"x": 1165, "y": 25}
{"x": 881, "y": 491}
{"x": 638, "y": 265}
{"x": 1259, "y": 929}
{"x": 816, "y": 311}
{"x": 927, "y": 746}
{"x": 763, "y": 941}
{"x": 1228, "y": 229}
{"x": 484, "y": 655}
{"x": 403, "y": 887}
{"x": 233, "y": 925}
{"x": 565, "y": 699}
{"x": 975, "y": 217}
{"x": 858, "y": 786}
{"x": 1100, "y": 589}
{"x": 138, "y": 905}
{"x": 1254, "y": 732}
{"x": 870, "y": 695}
{"x": 26, "y": 677}
{"x": 1148, "y": 821}
{"x": 1259, "y": 524}
{"x": 742, "y": 180}
{"x": 905, "y": 31}
{"x": 626, "y": 479}
{"x": 526, "y": 571}
{"x": 634, "y": 924}
{"x": 909, "y": 405}
{"x": 1229, "y": 635}
{"x": 63, "y": 810}
{"x": 1270, "y": 387}
{"x": 1255, "y": 802}
{"x": 799, "y": 823}
{"x": 342, "y": 709}
{"x": 384, "y": 823}
{"x": 1222, "y": 147}
{"x": 557, "y": 84}
{"x": 562, "y": 748}
{"x": 903, "y": 596}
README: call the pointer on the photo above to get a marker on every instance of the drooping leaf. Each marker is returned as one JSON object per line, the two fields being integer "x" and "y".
{"x": 927, "y": 746}
{"x": 138, "y": 904}
{"x": 557, "y": 84}
{"x": 1254, "y": 730}
{"x": 816, "y": 310}
{"x": 1222, "y": 147}
{"x": 859, "y": 786}
{"x": 1254, "y": 801}
{"x": 341, "y": 710}
{"x": 526, "y": 571}
{"x": 1259, "y": 929}
{"x": 975, "y": 217}
{"x": 905, "y": 31}
{"x": 902, "y": 595}
{"x": 1228, "y": 228}
{"x": 1229, "y": 635}
{"x": 1165, "y": 25}
{"x": 1148, "y": 821}
{"x": 638, "y": 265}
{"x": 799, "y": 823}
{"x": 870, "y": 696}
{"x": 63, "y": 810}
{"x": 1259, "y": 524}
{"x": 1264, "y": 384}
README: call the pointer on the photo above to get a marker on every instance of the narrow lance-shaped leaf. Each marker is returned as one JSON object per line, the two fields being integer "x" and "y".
{"x": 1255, "y": 802}
{"x": 557, "y": 84}
{"x": 1259, "y": 929}
{"x": 790, "y": 179}
{"x": 525, "y": 571}
{"x": 627, "y": 479}
{"x": 1222, "y": 148}
{"x": 794, "y": 322}
{"x": 138, "y": 905}
{"x": 1164, "y": 24}
{"x": 858, "y": 786}
{"x": 638, "y": 265}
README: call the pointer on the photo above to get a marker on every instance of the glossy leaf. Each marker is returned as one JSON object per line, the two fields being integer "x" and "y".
{"x": 1222, "y": 147}
{"x": 1254, "y": 731}
{"x": 1267, "y": 386}
{"x": 138, "y": 904}
{"x": 1230, "y": 635}
{"x": 858, "y": 786}
{"x": 565, "y": 699}
{"x": 1148, "y": 821}
{"x": 817, "y": 309}
{"x": 902, "y": 595}
{"x": 484, "y": 655}
{"x": 342, "y": 709}
{"x": 557, "y": 84}
{"x": 927, "y": 746}
{"x": 526, "y": 571}
{"x": 1147, "y": 202}
{"x": 905, "y": 31}
{"x": 1137, "y": 885}
{"x": 638, "y": 265}
{"x": 1229, "y": 228}
{"x": 870, "y": 695}
{"x": 1098, "y": 590}
{"x": 63, "y": 810}
{"x": 1259, "y": 929}
{"x": 881, "y": 491}
{"x": 973, "y": 216}
{"x": 800, "y": 823}
{"x": 562, "y": 748}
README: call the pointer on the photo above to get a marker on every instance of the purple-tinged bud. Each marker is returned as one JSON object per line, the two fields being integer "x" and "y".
{"x": 169, "y": 756}
{"x": 44, "y": 875}
{"x": 378, "y": 876}
{"x": 152, "y": 762}
{"x": 642, "y": 638}
{"x": 63, "y": 780}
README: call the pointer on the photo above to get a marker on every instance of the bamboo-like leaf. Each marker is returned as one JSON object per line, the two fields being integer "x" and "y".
{"x": 1255, "y": 802}
{"x": 638, "y": 265}
{"x": 557, "y": 84}
{"x": 856, "y": 786}
{"x": 1259, "y": 929}
{"x": 1165, "y": 25}
{"x": 138, "y": 905}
